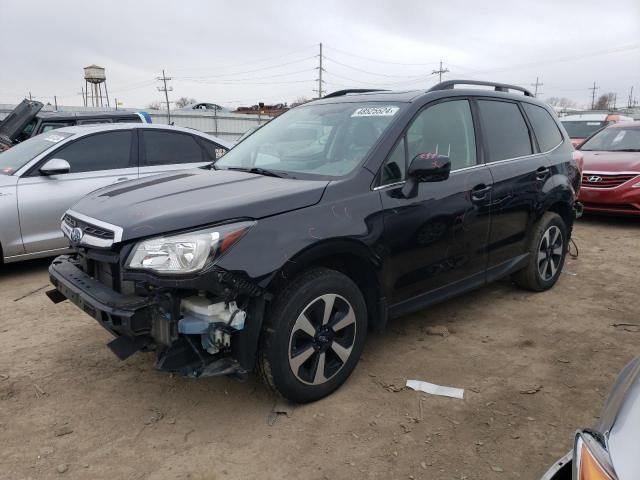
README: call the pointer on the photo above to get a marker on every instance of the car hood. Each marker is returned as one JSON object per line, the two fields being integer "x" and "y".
{"x": 192, "y": 198}
{"x": 14, "y": 123}
{"x": 611, "y": 161}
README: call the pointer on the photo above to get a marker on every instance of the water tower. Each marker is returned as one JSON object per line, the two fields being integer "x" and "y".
{"x": 94, "y": 78}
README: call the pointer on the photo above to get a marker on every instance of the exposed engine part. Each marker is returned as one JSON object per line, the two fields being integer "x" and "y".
{"x": 214, "y": 322}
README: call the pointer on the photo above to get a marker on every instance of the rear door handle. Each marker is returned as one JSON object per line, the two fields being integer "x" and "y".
{"x": 479, "y": 192}
{"x": 542, "y": 173}
{"x": 121, "y": 179}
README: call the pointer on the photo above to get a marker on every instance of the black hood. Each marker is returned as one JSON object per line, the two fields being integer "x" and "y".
{"x": 14, "y": 123}
{"x": 192, "y": 198}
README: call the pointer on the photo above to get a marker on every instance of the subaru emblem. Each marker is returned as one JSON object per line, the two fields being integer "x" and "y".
{"x": 76, "y": 235}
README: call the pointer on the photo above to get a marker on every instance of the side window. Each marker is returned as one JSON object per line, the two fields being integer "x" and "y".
{"x": 104, "y": 151}
{"x": 505, "y": 131}
{"x": 544, "y": 126}
{"x": 51, "y": 126}
{"x": 395, "y": 168}
{"x": 166, "y": 148}
{"x": 446, "y": 129}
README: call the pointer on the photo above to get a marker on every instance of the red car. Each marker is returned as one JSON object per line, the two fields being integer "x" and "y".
{"x": 611, "y": 171}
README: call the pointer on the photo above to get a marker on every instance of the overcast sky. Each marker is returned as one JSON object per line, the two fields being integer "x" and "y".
{"x": 247, "y": 51}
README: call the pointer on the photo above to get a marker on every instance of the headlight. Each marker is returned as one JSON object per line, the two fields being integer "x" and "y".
{"x": 591, "y": 460}
{"x": 187, "y": 252}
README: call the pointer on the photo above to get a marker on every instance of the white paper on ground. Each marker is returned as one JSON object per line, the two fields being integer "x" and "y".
{"x": 434, "y": 389}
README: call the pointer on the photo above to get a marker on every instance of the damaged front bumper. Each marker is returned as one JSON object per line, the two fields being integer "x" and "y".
{"x": 193, "y": 332}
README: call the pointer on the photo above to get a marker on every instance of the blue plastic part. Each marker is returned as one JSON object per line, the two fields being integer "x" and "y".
{"x": 192, "y": 326}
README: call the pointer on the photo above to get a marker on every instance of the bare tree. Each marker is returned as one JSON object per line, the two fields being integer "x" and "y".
{"x": 605, "y": 101}
{"x": 154, "y": 106}
{"x": 184, "y": 101}
{"x": 299, "y": 101}
{"x": 561, "y": 102}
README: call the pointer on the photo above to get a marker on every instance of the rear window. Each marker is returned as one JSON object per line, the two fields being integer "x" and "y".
{"x": 505, "y": 131}
{"x": 544, "y": 126}
{"x": 582, "y": 129}
{"x": 163, "y": 147}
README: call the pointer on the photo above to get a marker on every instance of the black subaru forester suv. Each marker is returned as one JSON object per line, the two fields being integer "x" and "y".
{"x": 325, "y": 223}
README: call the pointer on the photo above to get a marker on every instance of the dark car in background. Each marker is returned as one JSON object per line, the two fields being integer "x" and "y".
{"x": 27, "y": 120}
{"x": 583, "y": 125}
{"x": 323, "y": 224}
{"x": 609, "y": 451}
{"x": 611, "y": 170}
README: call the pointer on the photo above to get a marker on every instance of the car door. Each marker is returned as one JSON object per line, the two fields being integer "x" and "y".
{"x": 518, "y": 176}
{"x": 438, "y": 237}
{"x": 165, "y": 150}
{"x": 97, "y": 160}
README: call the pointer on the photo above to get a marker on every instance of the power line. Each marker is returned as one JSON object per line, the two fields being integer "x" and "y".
{"x": 387, "y": 75}
{"x": 381, "y": 61}
{"x": 248, "y": 71}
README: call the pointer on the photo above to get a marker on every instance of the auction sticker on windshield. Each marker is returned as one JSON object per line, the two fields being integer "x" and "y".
{"x": 54, "y": 138}
{"x": 387, "y": 111}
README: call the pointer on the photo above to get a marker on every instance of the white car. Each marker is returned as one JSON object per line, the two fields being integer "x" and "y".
{"x": 43, "y": 176}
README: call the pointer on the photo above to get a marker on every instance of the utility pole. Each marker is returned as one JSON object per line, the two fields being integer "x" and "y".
{"x": 593, "y": 95}
{"x": 320, "y": 70}
{"x": 615, "y": 100}
{"x": 630, "y": 104}
{"x": 537, "y": 84}
{"x": 30, "y": 95}
{"x": 440, "y": 72}
{"x": 166, "y": 91}
{"x": 55, "y": 102}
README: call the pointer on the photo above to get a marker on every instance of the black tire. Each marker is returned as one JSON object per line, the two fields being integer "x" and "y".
{"x": 545, "y": 259}
{"x": 287, "y": 339}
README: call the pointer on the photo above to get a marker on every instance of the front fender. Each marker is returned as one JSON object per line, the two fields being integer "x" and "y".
{"x": 10, "y": 236}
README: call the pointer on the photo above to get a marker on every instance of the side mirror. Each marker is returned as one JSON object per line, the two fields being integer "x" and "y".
{"x": 55, "y": 166}
{"x": 426, "y": 167}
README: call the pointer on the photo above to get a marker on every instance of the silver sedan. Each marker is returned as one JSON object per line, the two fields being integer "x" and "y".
{"x": 42, "y": 177}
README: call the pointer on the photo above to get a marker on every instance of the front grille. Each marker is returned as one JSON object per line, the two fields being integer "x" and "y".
{"x": 600, "y": 180}
{"x": 88, "y": 228}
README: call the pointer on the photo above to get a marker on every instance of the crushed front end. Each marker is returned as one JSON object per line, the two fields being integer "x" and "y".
{"x": 202, "y": 323}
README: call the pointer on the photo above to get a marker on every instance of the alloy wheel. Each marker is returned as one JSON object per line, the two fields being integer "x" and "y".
{"x": 550, "y": 253}
{"x": 322, "y": 339}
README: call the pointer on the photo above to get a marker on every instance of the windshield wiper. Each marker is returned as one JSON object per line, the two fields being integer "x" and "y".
{"x": 259, "y": 171}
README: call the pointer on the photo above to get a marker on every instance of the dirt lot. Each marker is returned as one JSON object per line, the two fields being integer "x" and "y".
{"x": 70, "y": 409}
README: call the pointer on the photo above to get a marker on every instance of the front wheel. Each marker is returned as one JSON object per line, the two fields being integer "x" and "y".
{"x": 314, "y": 335}
{"x": 547, "y": 251}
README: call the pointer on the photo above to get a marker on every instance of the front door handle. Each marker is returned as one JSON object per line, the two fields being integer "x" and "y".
{"x": 121, "y": 179}
{"x": 479, "y": 192}
{"x": 542, "y": 173}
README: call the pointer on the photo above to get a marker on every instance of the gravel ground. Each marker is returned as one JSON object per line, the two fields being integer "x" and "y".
{"x": 534, "y": 367}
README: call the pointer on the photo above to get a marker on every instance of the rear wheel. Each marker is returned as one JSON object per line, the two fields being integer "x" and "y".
{"x": 547, "y": 252}
{"x": 314, "y": 335}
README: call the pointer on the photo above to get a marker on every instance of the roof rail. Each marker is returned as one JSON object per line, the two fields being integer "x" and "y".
{"x": 340, "y": 93}
{"x": 498, "y": 87}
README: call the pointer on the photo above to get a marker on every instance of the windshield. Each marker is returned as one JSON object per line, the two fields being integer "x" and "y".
{"x": 614, "y": 140}
{"x": 325, "y": 140}
{"x": 582, "y": 129}
{"x": 20, "y": 154}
